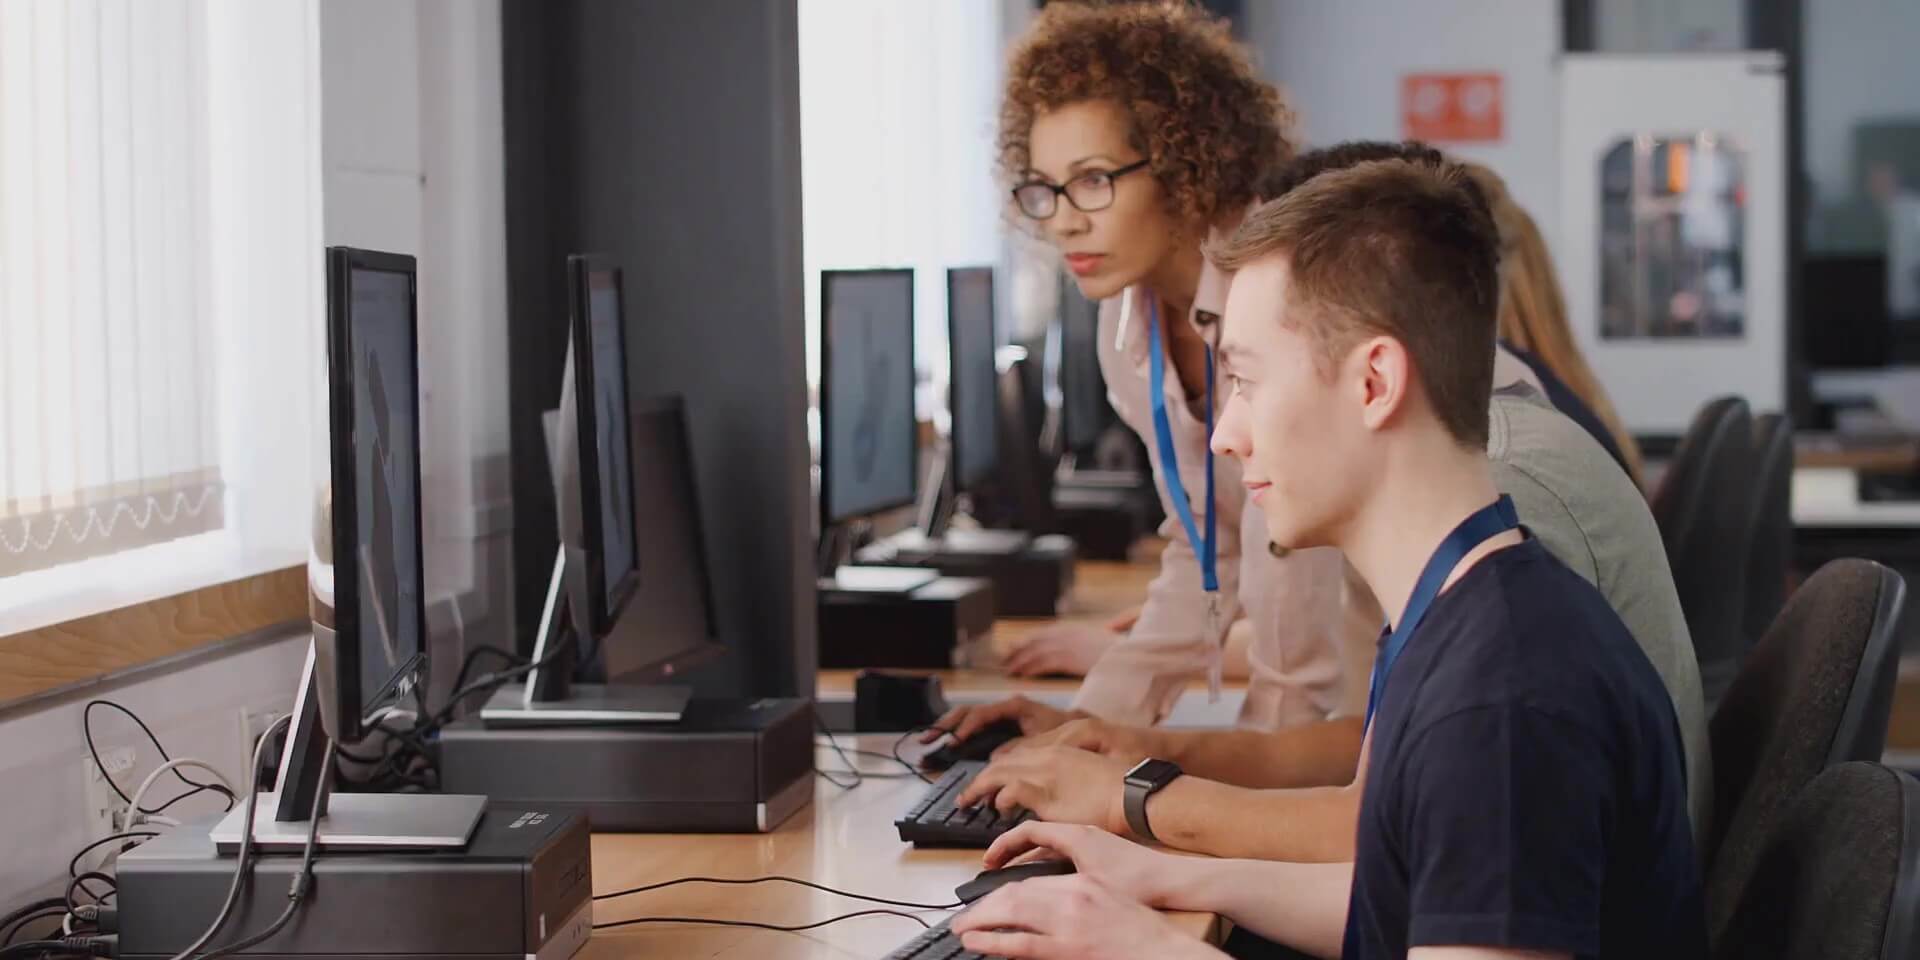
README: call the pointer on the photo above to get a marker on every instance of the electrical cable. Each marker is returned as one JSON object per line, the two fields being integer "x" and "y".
{"x": 173, "y": 765}
{"x": 858, "y": 777}
{"x": 246, "y": 841}
{"x": 79, "y": 885}
{"x": 86, "y": 727}
{"x": 69, "y": 947}
{"x": 763, "y": 926}
{"x": 73, "y": 865}
{"x": 54, "y": 912}
{"x": 902, "y": 741}
{"x": 190, "y": 794}
{"x": 22, "y": 913}
{"x": 302, "y": 881}
{"x": 777, "y": 879}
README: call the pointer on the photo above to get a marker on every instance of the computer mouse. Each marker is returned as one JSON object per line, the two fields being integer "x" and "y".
{"x": 979, "y": 747}
{"x": 990, "y": 880}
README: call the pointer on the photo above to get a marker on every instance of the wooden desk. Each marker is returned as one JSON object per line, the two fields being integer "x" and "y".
{"x": 845, "y": 840}
{"x": 1102, "y": 590}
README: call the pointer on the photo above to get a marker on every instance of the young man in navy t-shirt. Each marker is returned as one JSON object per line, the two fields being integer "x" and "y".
{"x": 1523, "y": 788}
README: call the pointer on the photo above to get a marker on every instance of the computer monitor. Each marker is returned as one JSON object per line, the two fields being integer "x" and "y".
{"x": 974, "y": 436}
{"x": 371, "y": 632}
{"x": 674, "y": 625}
{"x": 603, "y": 479}
{"x": 1085, "y": 413}
{"x": 366, "y": 579}
{"x": 869, "y": 440}
{"x": 594, "y": 468}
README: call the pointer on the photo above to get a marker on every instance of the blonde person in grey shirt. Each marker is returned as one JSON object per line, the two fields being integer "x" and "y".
{"x": 1237, "y": 798}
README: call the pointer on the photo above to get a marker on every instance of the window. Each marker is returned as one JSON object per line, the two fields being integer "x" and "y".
{"x": 160, "y": 343}
{"x": 897, "y": 105}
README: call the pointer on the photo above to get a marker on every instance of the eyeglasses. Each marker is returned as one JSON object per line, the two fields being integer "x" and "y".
{"x": 1088, "y": 192}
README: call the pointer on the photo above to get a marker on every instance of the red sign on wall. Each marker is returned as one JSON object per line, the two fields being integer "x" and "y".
{"x": 1451, "y": 107}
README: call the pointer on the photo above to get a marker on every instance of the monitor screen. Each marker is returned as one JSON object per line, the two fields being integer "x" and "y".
{"x": 593, "y": 454}
{"x": 1084, "y": 411}
{"x": 611, "y": 447}
{"x": 869, "y": 438}
{"x": 970, "y": 396}
{"x": 675, "y": 598}
{"x": 380, "y": 609}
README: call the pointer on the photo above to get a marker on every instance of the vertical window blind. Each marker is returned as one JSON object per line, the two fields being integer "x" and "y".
{"x": 108, "y": 395}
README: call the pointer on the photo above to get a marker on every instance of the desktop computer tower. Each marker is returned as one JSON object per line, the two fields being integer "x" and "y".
{"x": 522, "y": 887}
{"x": 1104, "y": 521}
{"x": 1030, "y": 575}
{"x": 920, "y": 629}
{"x": 727, "y": 766}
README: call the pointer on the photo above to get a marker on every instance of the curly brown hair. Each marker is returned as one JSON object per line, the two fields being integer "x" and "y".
{"x": 1212, "y": 129}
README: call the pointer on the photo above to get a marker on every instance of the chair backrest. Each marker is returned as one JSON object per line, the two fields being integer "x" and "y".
{"x": 1839, "y": 877}
{"x": 1815, "y": 692}
{"x": 1772, "y": 522}
{"x": 1702, "y": 509}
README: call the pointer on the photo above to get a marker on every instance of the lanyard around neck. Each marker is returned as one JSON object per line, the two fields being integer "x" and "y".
{"x": 1169, "y": 457}
{"x": 1486, "y": 523}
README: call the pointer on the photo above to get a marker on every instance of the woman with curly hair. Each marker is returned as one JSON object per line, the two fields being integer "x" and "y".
{"x": 1129, "y": 135}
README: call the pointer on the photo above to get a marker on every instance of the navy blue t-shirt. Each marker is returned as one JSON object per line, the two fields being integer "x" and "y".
{"x": 1526, "y": 787}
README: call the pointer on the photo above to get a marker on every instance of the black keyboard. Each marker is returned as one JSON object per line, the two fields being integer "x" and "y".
{"x": 938, "y": 943}
{"x": 933, "y": 820}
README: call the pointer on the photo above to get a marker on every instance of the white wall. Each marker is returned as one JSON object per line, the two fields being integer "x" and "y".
{"x": 1340, "y": 64}
{"x": 195, "y": 711}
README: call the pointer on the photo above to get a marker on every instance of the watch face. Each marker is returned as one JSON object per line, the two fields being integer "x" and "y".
{"x": 1153, "y": 772}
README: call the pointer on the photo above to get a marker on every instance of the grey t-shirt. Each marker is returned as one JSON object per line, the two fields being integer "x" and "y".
{"x": 1587, "y": 513}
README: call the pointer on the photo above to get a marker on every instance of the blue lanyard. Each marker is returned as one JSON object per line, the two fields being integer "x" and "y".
{"x": 1170, "y": 459}
{"x": 1486, "y": 523}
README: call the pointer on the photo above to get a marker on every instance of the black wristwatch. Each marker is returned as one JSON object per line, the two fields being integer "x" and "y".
{"x": 1144, "y": 780}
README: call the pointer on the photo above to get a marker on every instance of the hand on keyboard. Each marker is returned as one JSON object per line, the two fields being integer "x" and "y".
{"x": 936, "y": 820}
{"x": 1060, "y": 784}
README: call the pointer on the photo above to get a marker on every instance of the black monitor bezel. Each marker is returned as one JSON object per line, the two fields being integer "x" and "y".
{"x": 347, "y": 696}
{"x": 955, "y": 394}
{"x": 827, "y": 517}
{"x": 602, "y": 609}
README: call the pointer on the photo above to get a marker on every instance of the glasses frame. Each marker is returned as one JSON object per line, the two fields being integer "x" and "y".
{"x": 1060, "y": 190}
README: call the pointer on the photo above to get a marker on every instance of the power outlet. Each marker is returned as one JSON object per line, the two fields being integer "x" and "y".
{"x": 254, "y": 724}
{"x": 106, "y": 811}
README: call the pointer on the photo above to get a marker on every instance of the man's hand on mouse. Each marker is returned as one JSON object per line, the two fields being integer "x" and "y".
{"x": 1059, "y": 784}
{"x": 1125, "y": 867}
{"x": 1071, "y": 918}
{"x": 964, "y": 722}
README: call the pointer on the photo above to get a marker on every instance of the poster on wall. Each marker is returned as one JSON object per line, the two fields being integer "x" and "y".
{"x": 1452, "y": 107}
{"x": 1673, "y": 229}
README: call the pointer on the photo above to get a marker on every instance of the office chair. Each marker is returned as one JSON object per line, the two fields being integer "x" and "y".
{"x": 1704, "y": 518}
{"x": 1815, "y": 692}
{"x": 1772, "y": 523}
{"x": 1839, "y": 879}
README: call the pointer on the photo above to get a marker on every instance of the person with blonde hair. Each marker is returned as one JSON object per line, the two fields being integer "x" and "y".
{"x": 1533, "y": 324}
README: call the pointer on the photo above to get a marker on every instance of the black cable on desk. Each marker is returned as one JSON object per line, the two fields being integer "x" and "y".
{"x": 763, "y": 926}
{"x": 902, "y": 741}
{"x": 777, "y": 879}
{"x": 858, "y": 777}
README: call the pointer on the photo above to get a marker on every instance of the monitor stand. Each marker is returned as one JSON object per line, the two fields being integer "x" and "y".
{"x": 549, "y": 698}
{"x": 352, "y": 821}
